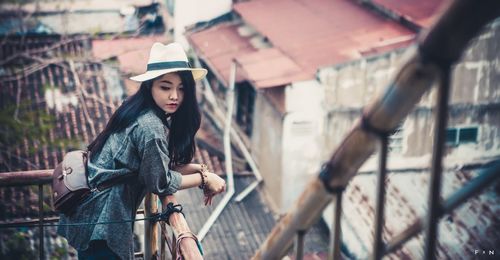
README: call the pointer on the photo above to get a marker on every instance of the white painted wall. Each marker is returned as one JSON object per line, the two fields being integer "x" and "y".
{"x": 302, "y": 138}
{"x": 188, "y": 12}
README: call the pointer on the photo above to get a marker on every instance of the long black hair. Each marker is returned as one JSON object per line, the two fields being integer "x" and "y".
{"x": 184, "y": 124}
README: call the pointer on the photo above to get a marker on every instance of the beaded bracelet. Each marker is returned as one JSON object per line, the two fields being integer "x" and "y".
{"x": 204, "y": 177}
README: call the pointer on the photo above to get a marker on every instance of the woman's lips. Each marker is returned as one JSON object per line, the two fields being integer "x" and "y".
{"x": 172, "y": 105}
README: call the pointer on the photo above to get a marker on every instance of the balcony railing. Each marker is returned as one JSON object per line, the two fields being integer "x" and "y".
{"x": 178, "y": 225}
{"x": 441, "y": 47}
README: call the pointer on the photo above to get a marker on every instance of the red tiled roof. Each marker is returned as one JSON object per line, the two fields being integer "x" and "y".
{"x": 132, "y": 53}
{"x": 422, "y": 12}
{"x": 316, "y": 33}
{"x": 218, "y": 45}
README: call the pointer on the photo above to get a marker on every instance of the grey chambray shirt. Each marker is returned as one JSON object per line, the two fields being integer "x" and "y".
{"x": 140, "y": 150}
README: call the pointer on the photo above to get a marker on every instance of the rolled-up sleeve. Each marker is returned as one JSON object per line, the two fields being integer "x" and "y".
{"x": 154, "y": 170}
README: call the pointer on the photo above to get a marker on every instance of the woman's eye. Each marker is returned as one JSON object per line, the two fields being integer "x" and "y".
{"x": 164, "y": 88}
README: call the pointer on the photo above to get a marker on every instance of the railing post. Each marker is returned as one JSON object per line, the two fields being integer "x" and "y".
{"x": 299, "y": 245}
{"x": 151, "y": 227}
{"x": 379, "y": 214}
{"x": 163, "y": 250}
{"x": 435, "y": 205}
{"x": 41, "y": 252}
{"x": 188, "y": 246}
{"x": 336, "y": 234}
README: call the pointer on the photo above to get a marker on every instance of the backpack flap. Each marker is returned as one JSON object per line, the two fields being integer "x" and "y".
{"x": 74, "y": 170}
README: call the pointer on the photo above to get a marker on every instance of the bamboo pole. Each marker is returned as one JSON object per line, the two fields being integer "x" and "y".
{"x": 189, "y": 248}
{"x": 150, "y": 227}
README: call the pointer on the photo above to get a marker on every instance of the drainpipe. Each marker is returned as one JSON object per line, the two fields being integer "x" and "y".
{"x": 228, "y": 159}
{"x": 209, "y": 94}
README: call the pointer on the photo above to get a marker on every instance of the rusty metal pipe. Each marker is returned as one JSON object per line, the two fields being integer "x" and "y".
{"x": 41, "y": 252}
{"x": 299, "y": 245}
{"x": 379, "y": 213}
{"x": 434, "y": 202}
{"x": 23, "y": 178}
{"x": 336, "y": 233}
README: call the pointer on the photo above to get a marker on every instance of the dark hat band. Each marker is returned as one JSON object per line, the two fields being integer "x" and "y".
{"x": 168, "y": 65}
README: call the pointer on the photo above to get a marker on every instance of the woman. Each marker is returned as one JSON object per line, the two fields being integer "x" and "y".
{"x": 147, "y": 146}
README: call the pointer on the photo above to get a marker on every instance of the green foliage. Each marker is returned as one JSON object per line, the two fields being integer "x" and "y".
{"x": 59, "y": 252}
{"x": 33, "y": 125}
{"x": 17, "y": 246}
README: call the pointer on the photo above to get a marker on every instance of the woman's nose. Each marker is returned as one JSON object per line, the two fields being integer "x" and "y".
{"x": 173, "y": 95}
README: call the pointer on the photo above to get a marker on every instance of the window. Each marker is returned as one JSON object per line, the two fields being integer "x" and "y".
{"x": 245, "y": 95}
{"x": 461, "y": 135}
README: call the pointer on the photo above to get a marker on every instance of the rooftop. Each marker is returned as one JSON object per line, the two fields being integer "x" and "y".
{"x": 242, "y": 227}
{"x": 424, "y": 13}
{"x": 218, "y": 45}
{"x": 471, "y": 226}
{"x": 280, "y": 41}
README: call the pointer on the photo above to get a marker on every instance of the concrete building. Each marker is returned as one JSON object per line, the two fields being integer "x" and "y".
{"x": 278, "y": 47}
{"x": 184, "y": 13}
{"x": 472, "y": 140}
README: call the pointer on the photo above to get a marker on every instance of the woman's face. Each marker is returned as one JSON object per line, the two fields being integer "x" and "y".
{"x": 168, "y": 92}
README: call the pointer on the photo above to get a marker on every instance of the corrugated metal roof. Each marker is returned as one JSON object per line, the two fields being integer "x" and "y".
{"x": 472, "y": 225}
{"x": 316, "y": 33}
{"x": 242, "y": 227}
{"x": 305, "y": 36}
{"x": 270, "y": 67}
{"x": 422, "y": 12}
{"x": 218, "y": 46}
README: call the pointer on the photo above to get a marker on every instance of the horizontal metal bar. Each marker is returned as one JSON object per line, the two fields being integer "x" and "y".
{"x": 21, "y": 178}
{"x": 24, "y": 223}
{"x": 32, "y": 222}
{"x": 486, "y": 177}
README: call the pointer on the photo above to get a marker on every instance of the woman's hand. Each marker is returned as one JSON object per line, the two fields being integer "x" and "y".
{"x": 214, "y": 186}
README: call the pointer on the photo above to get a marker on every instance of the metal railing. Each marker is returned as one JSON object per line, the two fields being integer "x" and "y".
{"x": 438, "y": 51}
{"x": 178, "y": 224}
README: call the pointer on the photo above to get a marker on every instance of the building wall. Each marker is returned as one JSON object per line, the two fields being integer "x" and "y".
{"x": 266, "y": 145}
{"x": 188, "y": 12}
{"x": 474, "y": 102}
{"x": 302, "y": 138}
{"x": 285, "y": 138}
{"x": 475, "y": 96}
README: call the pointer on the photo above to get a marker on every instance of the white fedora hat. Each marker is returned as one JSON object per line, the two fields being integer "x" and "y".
{"x": 165, "y": 59}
